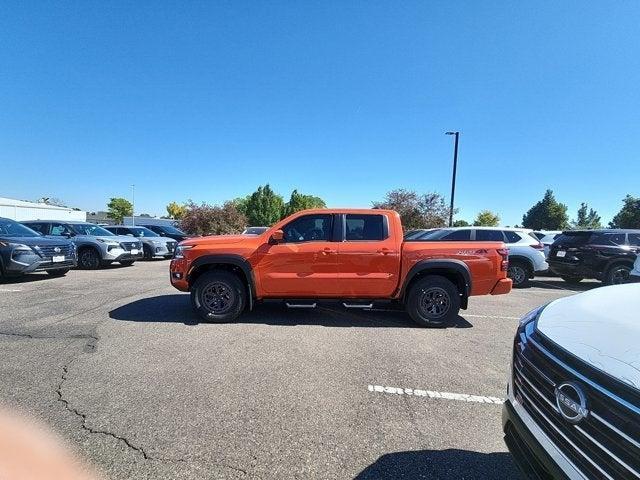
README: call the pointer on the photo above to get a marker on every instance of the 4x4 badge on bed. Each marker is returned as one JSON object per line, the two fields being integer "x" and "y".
{"x": 571, "y": 402}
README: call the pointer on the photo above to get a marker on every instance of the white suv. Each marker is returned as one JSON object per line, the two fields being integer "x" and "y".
{"x": 526, "y": 256}
{"x": 573, "y": 399}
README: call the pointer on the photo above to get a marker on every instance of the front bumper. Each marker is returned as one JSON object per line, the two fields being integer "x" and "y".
{"x": 160, "y": 251}
{"x": 536, "y": 456}
{"x": 178, "y": 270}
{"x": 120, "y": 254}
{"x": 13, "y": 267}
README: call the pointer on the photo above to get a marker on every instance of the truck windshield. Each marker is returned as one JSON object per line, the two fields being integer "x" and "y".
{"x": 9, "y": 228}
{"x": 91, "y": 230}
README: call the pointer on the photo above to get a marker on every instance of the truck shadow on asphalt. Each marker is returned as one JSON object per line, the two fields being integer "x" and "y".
{"x": 176, "y": 308}
{"x": 442, "y": 464}
{"x": 551, "y": 283}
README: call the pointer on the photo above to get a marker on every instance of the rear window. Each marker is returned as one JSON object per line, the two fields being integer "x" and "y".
{"x": 365, "y": 227}
{"x": 512, "y": 237}
{"x": 489, "y": 236}
{"x": 573, "y": 238}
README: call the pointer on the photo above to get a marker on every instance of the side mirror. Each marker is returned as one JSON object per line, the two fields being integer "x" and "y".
{"x": 276, "y": 237}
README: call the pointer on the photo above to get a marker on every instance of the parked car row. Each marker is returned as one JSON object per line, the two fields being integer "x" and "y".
{"x": 57, "y": 246}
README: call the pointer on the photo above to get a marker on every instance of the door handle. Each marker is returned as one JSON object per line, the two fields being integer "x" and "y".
{"x": 385, "y": 251}
{"x": 327, "y": 251}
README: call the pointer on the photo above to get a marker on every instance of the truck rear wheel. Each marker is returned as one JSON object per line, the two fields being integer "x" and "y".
{"x": 433, "y": 301}
{"x": 218, "y": 297}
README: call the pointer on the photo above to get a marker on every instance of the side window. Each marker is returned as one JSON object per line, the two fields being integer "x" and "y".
{"x": 512, "y": 237}
{"x": 489, "y": 236}
{"x": 309, "y": 228}
{"x": 38, "y": 227}
{"x": 59, "y": 229}
{"x": 608, "y": 239}
{"x": 458, "y": 235}
{"x": 634, "y": 239}
{"x": 365, "y": 227}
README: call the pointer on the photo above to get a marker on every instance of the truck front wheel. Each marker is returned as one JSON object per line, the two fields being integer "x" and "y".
{"x": 433, "y": 301}
{"x": 218, "y": 297}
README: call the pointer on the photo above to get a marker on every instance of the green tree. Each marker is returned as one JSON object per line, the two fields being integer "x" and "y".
{"x": 629, "y": 214}
{"x": 299, "y": 202}
{"x": 486, "y": 218}
{"x": 416, "y": 211}
{"x": 118, "y": 208}
{"x": 205, "y": 219}
{"x": 175, "y": 210}
{"x": 262, "y": 208}
{"x": 587, "y": 218}
{"x": 547, "y": 214}
{"x": 461, "y": 223}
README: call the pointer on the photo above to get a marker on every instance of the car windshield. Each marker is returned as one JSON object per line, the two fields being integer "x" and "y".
{"x": 171, "y": 230}
{"x": 9, "y": 228}
{"x": 142, "y": 232}
{"x": 91, "y": 230}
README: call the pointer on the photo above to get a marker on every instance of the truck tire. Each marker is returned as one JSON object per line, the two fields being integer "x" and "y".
{"x": 617, "y": 274}
{"x": 60, "y": 272}
{"x": 519, "y": 272}
{"x": 88, "y": 259}
{"x": 433, "y": 301}
{"x": 218, "y": 296}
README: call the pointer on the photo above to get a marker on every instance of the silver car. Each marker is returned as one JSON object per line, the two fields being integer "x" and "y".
{"x": 96, "y": 246}
{"x": 153, "y": 244}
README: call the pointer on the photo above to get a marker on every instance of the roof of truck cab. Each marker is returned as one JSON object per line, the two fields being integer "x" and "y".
{"x": 347, "y": 210}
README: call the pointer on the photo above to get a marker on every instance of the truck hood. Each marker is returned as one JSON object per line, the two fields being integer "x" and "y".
{"x": 600, "y": 327}
{"x": 216, "y": 240}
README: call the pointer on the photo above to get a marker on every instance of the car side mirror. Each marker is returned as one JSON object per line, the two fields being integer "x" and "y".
{"x": 276, "y": 237}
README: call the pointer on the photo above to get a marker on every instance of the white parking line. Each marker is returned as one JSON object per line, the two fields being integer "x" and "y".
{"x": 9, "y": 291}
{"x": 491, "y": 316}
{"x": 460, "y": 397}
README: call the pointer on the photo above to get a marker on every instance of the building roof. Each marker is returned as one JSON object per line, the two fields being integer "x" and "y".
{"x": 21, "y": 203}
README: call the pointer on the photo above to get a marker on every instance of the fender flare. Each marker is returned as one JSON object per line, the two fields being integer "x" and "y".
{"x": 615, "y": 261}
{"x": 457, "y": 266}
{"x": 228, "y": 259}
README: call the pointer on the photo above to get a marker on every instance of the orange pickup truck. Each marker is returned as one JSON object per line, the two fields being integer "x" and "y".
{"x": 354, "y": 256}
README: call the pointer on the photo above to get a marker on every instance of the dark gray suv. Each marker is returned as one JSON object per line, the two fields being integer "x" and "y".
{"x": 23, "y": 250}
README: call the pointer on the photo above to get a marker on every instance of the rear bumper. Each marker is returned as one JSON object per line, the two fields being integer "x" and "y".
{"x": 570, "y": 270}
{"x": 533, "y": 459}
{"x": 502, "y": 287}
{"x": 634, "y": 278}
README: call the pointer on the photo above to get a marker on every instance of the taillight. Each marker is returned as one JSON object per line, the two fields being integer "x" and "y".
{"x": 538, "y": 246}
{"x": 504, "y": 253}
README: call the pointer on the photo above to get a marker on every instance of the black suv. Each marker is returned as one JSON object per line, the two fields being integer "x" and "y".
{"x": 23, "y": 250}
{"x": 167, "y": 231}
{"x": 605, "y": 255}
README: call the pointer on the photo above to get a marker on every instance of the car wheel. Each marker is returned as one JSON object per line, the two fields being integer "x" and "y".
{"x": 127, "y": 263}
{"x": 148, "y": 254}
{"x": 60, "y": 272}
{"x": 618, "y": 274}
{"x": 519, "y": 274}
{"x": 572, "y": 280}
{"x": 218, "y": 297}
{"x": 433, "y": 301}
{"x": 88, "y": 259}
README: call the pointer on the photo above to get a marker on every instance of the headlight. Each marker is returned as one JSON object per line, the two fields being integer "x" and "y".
{"x": 19, "y": 250}
{"x": 156, "y": 242}
{"x": 111, "y": 243}
{"x": 180, "y": 249}
{"x": 528, "y": 321}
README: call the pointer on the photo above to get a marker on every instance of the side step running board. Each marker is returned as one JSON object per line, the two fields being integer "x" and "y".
{"x": 300, "y": 305}
{"x": 357, "y": 305}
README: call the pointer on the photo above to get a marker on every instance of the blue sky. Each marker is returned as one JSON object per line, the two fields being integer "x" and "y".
{"x": 346, "y": 100}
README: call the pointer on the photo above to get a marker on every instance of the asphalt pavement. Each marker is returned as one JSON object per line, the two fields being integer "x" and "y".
{"x": 115, "y": 362}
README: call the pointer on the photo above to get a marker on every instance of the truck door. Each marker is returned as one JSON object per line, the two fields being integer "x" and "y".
{"x": 368, "y": 257}
{"x": 304, "y": 263}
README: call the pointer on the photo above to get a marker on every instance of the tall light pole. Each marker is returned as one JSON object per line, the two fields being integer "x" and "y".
{"x": 133, "y": 205}
{"x": 455, "y": 168}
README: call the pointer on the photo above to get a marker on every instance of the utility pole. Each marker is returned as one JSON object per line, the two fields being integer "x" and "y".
{"x": 133, "y": 205}
{"x": 455, "y": 168}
